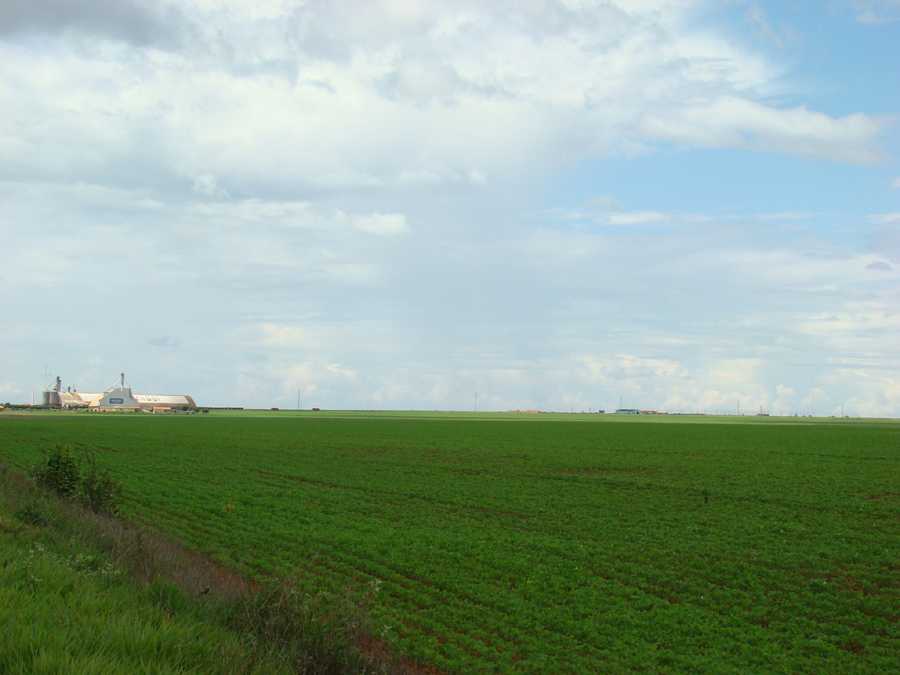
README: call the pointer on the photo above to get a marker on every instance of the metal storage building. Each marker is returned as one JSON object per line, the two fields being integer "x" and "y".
{"x": 117, "y": 397}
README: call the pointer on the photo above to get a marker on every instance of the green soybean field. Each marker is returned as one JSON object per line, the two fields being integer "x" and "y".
{"x": 538, "y": 543}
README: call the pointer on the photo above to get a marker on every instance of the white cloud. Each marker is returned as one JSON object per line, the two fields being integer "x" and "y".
{"x": 783, "y": 216}
{"x": 206, "y": 185}
{"x": 384, "y": 224}
{"x": 637, "y": 218}
{"x": 886, "y": 218}
{"x": 330, "y": 96}
{"x": 295, "y": 337}
{"x": 8, "y": 388}
{"x": 609, "y": 369}
{"x": 785, "y": 398}
{"x": 859, "y": 392}
{"x": 735, "y": 122}
{"x": 855, "y": 328}
{"x": 735, "y": 372}
{"x": 352, "y": 198}
{"x": 896, "y": 184}
{"x": 877, "y": 11}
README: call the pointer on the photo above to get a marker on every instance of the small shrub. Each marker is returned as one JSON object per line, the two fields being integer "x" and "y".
{"x": 59, "y": 473}
{"x": 99, "y": 491}
{"x": 62, "y": 473}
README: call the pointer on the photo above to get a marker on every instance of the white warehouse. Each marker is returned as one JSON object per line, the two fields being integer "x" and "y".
{"x": 117, "y": 397}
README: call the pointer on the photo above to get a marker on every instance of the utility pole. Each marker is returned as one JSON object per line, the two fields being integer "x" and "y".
{"x": 299, "y": 401}
{"x": 476, "y": 401}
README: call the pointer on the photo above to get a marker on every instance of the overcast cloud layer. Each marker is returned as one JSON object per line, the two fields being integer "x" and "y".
{"x": 558, "y": 204}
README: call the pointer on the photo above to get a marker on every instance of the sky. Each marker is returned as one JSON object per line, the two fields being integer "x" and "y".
{"x": 687, "y": 205}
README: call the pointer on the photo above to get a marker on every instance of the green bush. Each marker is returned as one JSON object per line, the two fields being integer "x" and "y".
{"x": 59, "y": 473}
{"x": 99, "y": 491}
{"x": 62, "y": 473}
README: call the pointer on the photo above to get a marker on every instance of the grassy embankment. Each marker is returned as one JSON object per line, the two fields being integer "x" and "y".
{"x": 84, "y": 593}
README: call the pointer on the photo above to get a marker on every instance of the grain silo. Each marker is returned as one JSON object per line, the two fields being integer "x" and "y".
{"x": 51, "y": 397}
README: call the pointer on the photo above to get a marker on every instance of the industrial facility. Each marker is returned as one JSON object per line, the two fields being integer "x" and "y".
{"x": 116, "y": 397}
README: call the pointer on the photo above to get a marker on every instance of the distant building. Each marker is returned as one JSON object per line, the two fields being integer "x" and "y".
{"x": 119, "y": 397}
{"x": 628, "y": 411}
